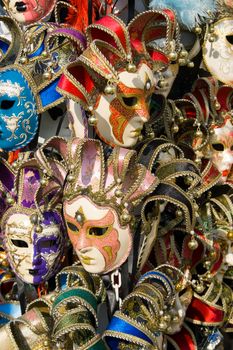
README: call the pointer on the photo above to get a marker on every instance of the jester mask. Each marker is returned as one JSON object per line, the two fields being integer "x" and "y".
{"x": 113, "y": 79}
{"x": 33, "y": 235}
{"x": 100, "y": 199}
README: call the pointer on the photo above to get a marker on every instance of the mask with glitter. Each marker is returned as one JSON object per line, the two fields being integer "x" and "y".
{"x": 33, "y": 239}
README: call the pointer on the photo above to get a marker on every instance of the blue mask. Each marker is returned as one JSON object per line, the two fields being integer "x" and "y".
{"x": 18, "y": 115}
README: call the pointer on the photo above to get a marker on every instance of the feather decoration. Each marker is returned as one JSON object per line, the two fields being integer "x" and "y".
{"x": 78, "y": 14}
{"x": 190, "y": 13}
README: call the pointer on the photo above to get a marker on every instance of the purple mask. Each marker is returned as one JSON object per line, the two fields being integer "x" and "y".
{"x": 33, "y": 239}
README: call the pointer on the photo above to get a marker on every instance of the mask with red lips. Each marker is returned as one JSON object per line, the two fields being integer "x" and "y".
{"x": 29, "y": 11}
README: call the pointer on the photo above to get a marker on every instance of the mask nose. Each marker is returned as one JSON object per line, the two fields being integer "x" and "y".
{"x": 82, "y": 242}
{"x": 37, "y": 260}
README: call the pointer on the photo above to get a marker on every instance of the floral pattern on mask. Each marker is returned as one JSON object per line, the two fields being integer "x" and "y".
{"x": 18, "y": 116}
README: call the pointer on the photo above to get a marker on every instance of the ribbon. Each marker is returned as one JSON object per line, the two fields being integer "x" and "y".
{"x": 202, "y": 313}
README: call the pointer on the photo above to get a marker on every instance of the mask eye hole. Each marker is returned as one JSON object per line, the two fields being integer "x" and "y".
{"x": 230, "y": 39}
{"x": 72, "y": 227}
{"x": 218, "y": 147}
{"x": 7, "y": 104}
{"x": 47, "y": 244}
{"x": 19, "y": 243}
{"x": 130, "y": 101}
{"x": 97, "y": 231}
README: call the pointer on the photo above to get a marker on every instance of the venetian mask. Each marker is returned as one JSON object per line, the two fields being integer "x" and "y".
{"x": 18, "y": 116}
{"x": 121, "y": 116}
{"x": 29, "y": 11}
{"x": 99, "y": 200}
{"x": 100, "y": 241}
{"x": 217, "y": 51}
{"x": 221, "y": 143}
{"x": 34, "y": 256}
{"x": 33, "y": 236}
{"x": 113, "y": 79}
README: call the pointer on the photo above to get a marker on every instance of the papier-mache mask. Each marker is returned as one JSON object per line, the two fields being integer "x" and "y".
{"x": 217, "y": 50}
{"x": 100, "y": 198}
{"x": 29, "y": 11}
{"x": 113, "y": 79}
{"x": 32, "y": 228}
{"x": 28, "y": 86}
{"x": 213, "y": 140}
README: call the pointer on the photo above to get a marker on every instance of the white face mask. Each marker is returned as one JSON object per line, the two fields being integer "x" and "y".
{"x": 218, "y": 55}
{"x": 222, "y": 148}
{"x": 121, "y": 116}
{"x": 99, "y": 240}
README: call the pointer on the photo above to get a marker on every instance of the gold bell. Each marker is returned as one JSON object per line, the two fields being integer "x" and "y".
{"x": 118, "y": 193}
{"x": 23, "y": 60}
{"x": 175, "y": 128}
{"x": 190, "y": 64}
{"x": 183, "y": 54}
{"x": 10, "y": 200}
{"x": 47, "y": 75}
{"x": 173, "y": 56}
{"x": 182, "y": 61}
{"x": 212, "y": 38}
{"x": 38, "y": 229}
{"x": 125, "y": 217}
{"x": 198, "y": 30}
{"x": 193, "y": 244}
{"x": 92, "y": 121}
{"x": 131, "y": 68}
{"x": 217, "y": 105}
{"x": 70, "y": 178}
{"x": 109, "y": 90}
{"x": 34, "y": 218}
{"x": 43, "y": 181}
{"x": 230, "y": 235}
{"x": 162, "y": 84}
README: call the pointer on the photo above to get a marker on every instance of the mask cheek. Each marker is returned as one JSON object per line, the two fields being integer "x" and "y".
{"x": 109, "y": 247}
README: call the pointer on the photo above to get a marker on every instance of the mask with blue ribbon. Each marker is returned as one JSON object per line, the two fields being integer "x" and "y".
{"x": 28, "y": 85}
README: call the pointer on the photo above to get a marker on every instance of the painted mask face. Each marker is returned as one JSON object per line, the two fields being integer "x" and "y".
{"x": 33, "y": 256}
{"x": 29, "y": 11}
{"x": 222, "y": 148}
{"x": 18, "y": 117}
{"x": 218, "y": 55}
{"x": 100, "y": 242}
{"x": 227, "y": 250}
{"x": 169, "y": 75}
{"x": 121, "y": 116}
